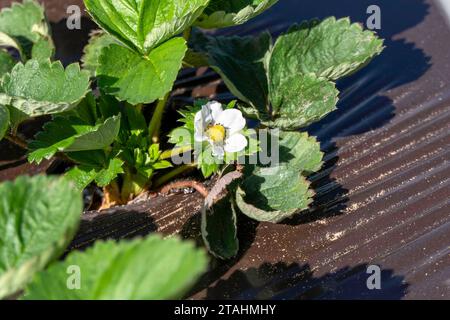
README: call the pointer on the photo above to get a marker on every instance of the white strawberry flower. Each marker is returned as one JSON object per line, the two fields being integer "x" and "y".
{"x": 221, "y": 128}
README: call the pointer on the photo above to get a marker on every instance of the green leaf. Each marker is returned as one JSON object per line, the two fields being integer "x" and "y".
{"x": 219, "y": 222}
{"x": 71, "y": 134}
{"x": 227, "y": 13}
{"x": 89, "y": 165}
{"x": 38, "y": 218}
{"x": 162, "y": 164}
{"x": 330, "y": 49}
{"x": 277, "y": 192}
{"x": 95, "y": 138}
{"x": 273, "y": 216}
{"x": 297, "y": 100}
{"x": 146, "y": 269}
{"x": 41, "y": 87}
{"x": 83, "y": 175}
{"x": 109, "y": 106}
{"x": 289, "y": 85}
{"x": 219, "y": 228}
{"x": 206, "y": 162}
{"x": 6, "y": 62}
{"x": 108, "y": 174}
{"x": 16, "y": 118}
{"x": 92, "y": 158}
{"x": 87, "y": 110}
{"x": 209, "y": 168}
{"x": 241, "y": 64}
{"x": 188, "y": 114}
{"x": 277, "y": 189}
{"x": 194, "y": 59}
{"x": 43, "y": 50}
{"x": 25, "y": 22}
{"x": 4, "y": 121}
{"x": 300, "y": 100}
{"x": 136, "y": 122}
{"x": 136, "y": 79}
{"x": 300, "y": 152}
{"x": 181, "y": 137}
{"x": 144, "y": 24}
{"x": 196, "y": 56}
{"x": 98, "y": 40}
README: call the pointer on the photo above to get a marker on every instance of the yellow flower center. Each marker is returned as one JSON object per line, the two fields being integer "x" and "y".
{"x": 216, "y": 133}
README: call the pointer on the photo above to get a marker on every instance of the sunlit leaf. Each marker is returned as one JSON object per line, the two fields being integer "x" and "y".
{"x": 227, "y": 13}
{"x": 41, "y": 87}
{"x": 146, "y": 269}
{"x": 136, "y": 79}
{"x": 38, "y": 218}
{"x": 70, "y": 134}
{"x": 144, "y": 24}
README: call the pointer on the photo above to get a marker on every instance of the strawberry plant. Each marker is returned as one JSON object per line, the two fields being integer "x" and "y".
{"x": 129, "y": 66}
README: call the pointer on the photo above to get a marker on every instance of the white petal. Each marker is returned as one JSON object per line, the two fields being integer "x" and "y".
{"x": 232, "y": 120}
{"x": 236, "y": 143}
{"x": 217, "y": 150}
{"x": 202, "y": 120}
{"x": 215, "y": 109}
{"x": 200, "y": 136}
{"x": 206, "y": 114}
{"x": 199, "y": 131}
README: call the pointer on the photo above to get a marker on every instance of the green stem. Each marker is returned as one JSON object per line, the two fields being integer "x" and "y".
{"x": 172, "y": 174}
{"x": 155, "y": 123}
{"x": 169, "y": 153}
{"x": 133, "y": 185}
